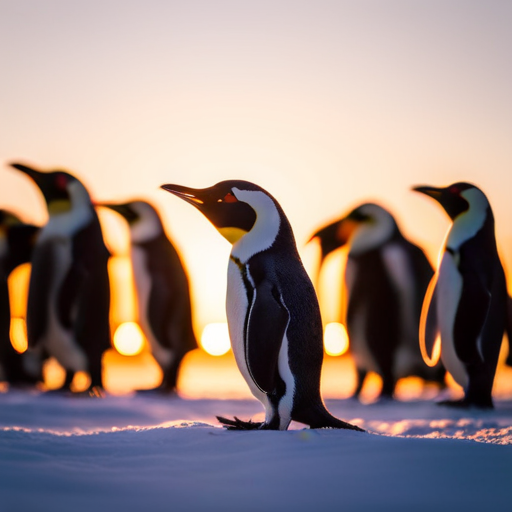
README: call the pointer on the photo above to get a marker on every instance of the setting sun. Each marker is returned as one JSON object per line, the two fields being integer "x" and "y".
{"x": 215, "y": 339}
{"x": 129, "y": 339}
{"x": 335, "y": 339}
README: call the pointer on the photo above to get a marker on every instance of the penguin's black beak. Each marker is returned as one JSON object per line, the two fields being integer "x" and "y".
{"x": 29, "y": 171}
{"x": 449, "y": 198}
{"x": 433, "y": 192}
{"x": 334, "y": 236}
{"x": 193, "y": 196}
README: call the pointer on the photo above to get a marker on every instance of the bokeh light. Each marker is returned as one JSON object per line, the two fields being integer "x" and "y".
{"x": 335, "y": 339}
{"x": 215, "y": 339}
{"x": 129, "y": 339}
{"x": 18, "y": 334}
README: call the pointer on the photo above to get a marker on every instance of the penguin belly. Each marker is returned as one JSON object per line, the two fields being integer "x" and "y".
{"x": 237, "y": 305}
{"x": 59, "y": 341}
{"x": 143, "y": 280}
{"x": 449, "y": 289}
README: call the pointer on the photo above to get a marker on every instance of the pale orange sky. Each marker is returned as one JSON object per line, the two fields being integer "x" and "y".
{"x": 324, "y": 103}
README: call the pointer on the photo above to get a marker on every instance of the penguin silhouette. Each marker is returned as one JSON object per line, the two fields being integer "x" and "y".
{"x": 272, "y": 309}
{"x": 386, "y": 277}
{"x": 468, "y": 295}
{"x": 69, "y": 293}
{"x": 17, "y": 241}
{"x": 162, "y": 286}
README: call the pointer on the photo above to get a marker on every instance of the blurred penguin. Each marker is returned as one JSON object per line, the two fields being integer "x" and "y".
{"x": 468, "y": 296}
{"x": 17, "y": 241}
{"x": 69, "y": 292}
{"x": 162, "y": 290}
{"x": 386, "y": 278}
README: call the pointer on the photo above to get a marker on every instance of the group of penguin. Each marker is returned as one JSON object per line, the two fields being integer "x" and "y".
{"x": 69, "y": 292}
{"x": 399, "y": 312}
{"x": 398, "y": 309}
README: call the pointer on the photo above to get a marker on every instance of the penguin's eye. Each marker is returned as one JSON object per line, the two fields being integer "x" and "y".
{"x": 61, "y": 181}
{"x": 228, "y": 198}
{"x": 454, "y": 189}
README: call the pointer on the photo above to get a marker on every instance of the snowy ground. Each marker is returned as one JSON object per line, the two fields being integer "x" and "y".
{"x": 132, "y": 453}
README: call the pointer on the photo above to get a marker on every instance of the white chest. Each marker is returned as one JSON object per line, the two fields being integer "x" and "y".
{"x": 237, "y": 305}
{"x": 448, "y": 292}
{"x": 59, "y": 341}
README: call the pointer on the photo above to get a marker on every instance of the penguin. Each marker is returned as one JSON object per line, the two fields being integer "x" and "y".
{"x": 386, "y": 277}
{"x": 17, "y": 240}
{"x": 162, "y": 286}
{"x": 69, "y": 292}
{"x": 468, "y": 295}
{"x": 272, "y": 309}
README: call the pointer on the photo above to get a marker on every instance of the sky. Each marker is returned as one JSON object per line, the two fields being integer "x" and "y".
{"x": 325, "y": 104}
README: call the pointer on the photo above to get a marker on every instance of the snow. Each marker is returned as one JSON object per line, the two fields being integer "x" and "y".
{"x": 144, "y": 452}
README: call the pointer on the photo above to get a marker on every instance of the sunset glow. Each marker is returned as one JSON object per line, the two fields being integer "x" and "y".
{"x": 18, "y": 334}
{"x": 215, "y": 339}
{"x": 335, "y": 339}
{"x": 129, "y": 339}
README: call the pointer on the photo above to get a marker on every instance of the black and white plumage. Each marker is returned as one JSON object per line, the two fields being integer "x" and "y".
{"x": 69, "y": 291}
{"x": 162, "y": 286}
{"x": 386, "y": 277}
{"x": 17, "y": 241}
{"x": 272, "y": 309}
{"x": 468, "y": 294}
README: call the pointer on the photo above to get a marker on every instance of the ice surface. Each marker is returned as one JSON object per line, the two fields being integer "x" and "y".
{"x": 131, "y": 453}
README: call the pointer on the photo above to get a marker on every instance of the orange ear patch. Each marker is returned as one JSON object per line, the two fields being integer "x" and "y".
{"x": 230, "y": 198}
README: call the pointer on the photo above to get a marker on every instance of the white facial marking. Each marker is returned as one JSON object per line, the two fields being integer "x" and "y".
{"x": 448, "y": 292}
{"x": 467, "y": 224}
{"x": 68, "y": 223}
{"x": 374, "y": 233}
{"x": 265, "y": 229}
{"x": 147, "y": 226}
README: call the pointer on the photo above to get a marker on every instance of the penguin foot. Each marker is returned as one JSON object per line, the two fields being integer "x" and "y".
{"x": 93, "y": 392}
{"x": 238, "y": 424}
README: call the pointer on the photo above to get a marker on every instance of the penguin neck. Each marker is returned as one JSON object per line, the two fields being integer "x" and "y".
{"x": 371, "y": 236}
{"x": 266, "y": 228}
{"x": 469, "y": 223}
{"x": 72, "y": 220}
{"x": 145, "y": 229}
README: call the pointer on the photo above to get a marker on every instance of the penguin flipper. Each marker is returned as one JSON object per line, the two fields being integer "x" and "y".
{"x": 68, "y": 294}
{"x": 266, "y": 326}
{"x": 41, "y": 279}
{"x": 429, "y": 327}
{"x": 475, "y": 297}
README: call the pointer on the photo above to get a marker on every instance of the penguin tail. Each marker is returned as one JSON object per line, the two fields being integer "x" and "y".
{"x": 319, "y": 417}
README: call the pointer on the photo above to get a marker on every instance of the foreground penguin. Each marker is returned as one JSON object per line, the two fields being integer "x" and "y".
{"x": 17, "y": 240}
{"x": 468, "y": 295}
{"x": 162, "y": 289}
{"x": 273, "y": 314}
{"x": 386, "y": 278}
{"x": 69, "y": 293}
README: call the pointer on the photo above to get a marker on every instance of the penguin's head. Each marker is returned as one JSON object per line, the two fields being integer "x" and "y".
{"x": 56, "y": 186}
{"x": 457, "y": 198}
{"x": 231, "y": 206}
{"x": 364, "y": 228}
{"x": 142, "y": 218}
